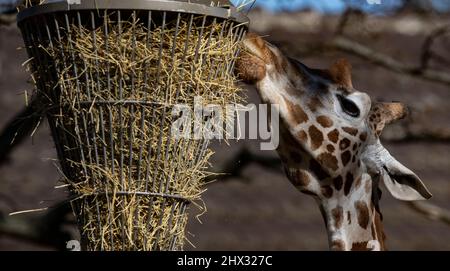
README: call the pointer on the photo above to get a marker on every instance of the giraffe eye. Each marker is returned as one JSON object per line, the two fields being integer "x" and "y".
{"x": 348, "y": 106}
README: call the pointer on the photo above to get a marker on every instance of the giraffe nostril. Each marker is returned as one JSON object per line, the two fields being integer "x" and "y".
{"x": 348, "y": 106}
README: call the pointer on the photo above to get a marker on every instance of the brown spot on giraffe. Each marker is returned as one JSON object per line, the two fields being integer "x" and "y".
{"x": 350, "y": 130}
{"x": 346, "y": 157}
{"x": 299, "y": 178}
{"x": 363, "y": 136}
{"x": 344, "y": 143}
{"x": 338, "y": 216}
{"x": 358, "y": 182}
{"x": 316, "y": 137}
{"x": 338, "y": 245}
{"x": 333, "y": 136}
{"x": 302, "y": 136}
{"x": 368, "y": 186}
{"x": 327, "y": 191}
{"x": 337, "y": 182}
{"x": 314, "y": 103}
{"x": 348, "y": 183}
{"x": 381, "y": 237}
{"x": 360, "y": 246}
{"x": 317, "y": 169}
{"x": 330, "y": 148}
{"x": 362, "y": 213}
{"x": 325, "y": 121}
{"x": 297, "y": 114}
{"x": 349, "y": 217}
{"x": 328, "y": 160}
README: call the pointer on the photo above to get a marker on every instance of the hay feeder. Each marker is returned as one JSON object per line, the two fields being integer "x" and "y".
{"x": 107, "y": 74}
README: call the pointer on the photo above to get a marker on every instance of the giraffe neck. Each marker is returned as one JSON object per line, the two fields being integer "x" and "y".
{"x": 353, "y": 222}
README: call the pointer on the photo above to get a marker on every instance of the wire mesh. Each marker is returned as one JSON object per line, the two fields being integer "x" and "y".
{"x": 108, "y": 80}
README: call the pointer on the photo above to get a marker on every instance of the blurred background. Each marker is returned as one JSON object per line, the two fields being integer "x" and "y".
{"x": 400, "y": 51}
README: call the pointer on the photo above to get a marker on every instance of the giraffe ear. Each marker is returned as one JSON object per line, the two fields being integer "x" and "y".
{"x": 341, "y": 73}
{"x": 402, "y": 183}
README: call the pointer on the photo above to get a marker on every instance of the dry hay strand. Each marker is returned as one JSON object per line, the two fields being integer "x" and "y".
{"x": 109, "y": 106}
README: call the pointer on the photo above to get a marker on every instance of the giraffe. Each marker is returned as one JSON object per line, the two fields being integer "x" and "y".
{"x": 330, "y": 142}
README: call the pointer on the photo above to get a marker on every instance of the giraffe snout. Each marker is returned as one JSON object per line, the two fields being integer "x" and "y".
{"x": 252, "y": 63}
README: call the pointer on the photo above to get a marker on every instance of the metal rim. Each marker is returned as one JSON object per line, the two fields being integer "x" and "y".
{"x": 220, "y": 10}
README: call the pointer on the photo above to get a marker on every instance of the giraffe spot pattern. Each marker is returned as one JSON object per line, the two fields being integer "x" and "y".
{"x": 302, "y": 136}
{"x": 324, "y": 121}
{"x": 327, "y": 191}
{"x": 333, "y": 136}
{"x": 338, "y": 245}
{"x": 350, "y": 130}
{"x": 316, "y": 137}
{"x": 348, "y": 183}
{"x": 362, "y": 213}
{"x": 363, "y": 136}
{"x": 346, "y": 157}
{"x": 297, "y": 114}
{"x": 381, "y": 237}
{"x": 299, "y": 178}
{"x": 360, "y": 246}
{"x": 337, "y": 182}
{"x": 328, "y": 160}
{"x": 330, "y": 148}
{"x": 317, "y": 169}
{"x": 368, "y": 186}
{"x": 338, "y": 215}
{"x": 357, "y": 183}
{"x": 344, "y": 143}
{"x": 314, "y": 104}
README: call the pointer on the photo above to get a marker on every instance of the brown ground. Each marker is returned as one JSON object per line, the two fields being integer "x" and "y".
{"x": 261, "y": 211}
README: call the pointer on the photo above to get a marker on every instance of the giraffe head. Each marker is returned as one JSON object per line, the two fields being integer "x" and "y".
{"x": 330, "y": 142}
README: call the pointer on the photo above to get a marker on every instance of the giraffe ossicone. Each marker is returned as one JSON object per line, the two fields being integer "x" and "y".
{"x": 330, "y": 142}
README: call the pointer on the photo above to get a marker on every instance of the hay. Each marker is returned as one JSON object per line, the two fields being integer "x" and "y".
{"x": 109, "y": 96}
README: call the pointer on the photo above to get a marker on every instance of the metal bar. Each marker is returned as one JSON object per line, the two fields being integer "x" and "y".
{"x": 130, "y": 132}
{"x": 121, "y": 141}
{"x": 83, "y": 116}
{"x": 198, "y": 7}
{"x": 143, "y": 111}
{"x": 158, "y": 153}
{"x": 143, "y": 115}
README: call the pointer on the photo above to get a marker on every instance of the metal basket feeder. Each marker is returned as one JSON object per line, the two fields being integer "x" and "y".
{"x": 108, "y": 73}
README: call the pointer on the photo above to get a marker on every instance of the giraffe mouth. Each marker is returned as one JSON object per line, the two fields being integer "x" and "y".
{"x": 258, "y": 48}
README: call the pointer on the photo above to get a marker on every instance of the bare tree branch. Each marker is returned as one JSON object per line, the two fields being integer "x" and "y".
{"x": 357, "y": 49}
{"x": 18, "y": 129}
{"x": 424, "y": 135}
{"x": 431, "y": 211}
{"x": 7, "y": 19}
{"x": 427, "y": 53}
